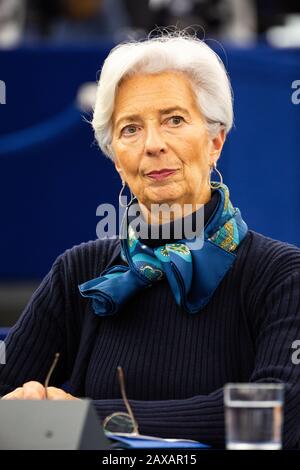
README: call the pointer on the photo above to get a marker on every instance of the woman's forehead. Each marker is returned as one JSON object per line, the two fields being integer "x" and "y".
{"x": 161, "y": 91}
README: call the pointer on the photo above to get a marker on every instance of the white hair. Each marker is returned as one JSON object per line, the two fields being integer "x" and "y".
{"x": 173, "y": 51}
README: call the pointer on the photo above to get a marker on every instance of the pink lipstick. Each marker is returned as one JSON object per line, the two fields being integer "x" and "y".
{"x": 161, "y": 174}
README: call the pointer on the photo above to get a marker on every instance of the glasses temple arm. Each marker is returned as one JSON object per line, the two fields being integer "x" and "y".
{"x": 123, "y": 392}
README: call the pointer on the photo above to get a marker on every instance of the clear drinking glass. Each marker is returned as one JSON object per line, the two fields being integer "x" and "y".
{"x": 253, "y": 416}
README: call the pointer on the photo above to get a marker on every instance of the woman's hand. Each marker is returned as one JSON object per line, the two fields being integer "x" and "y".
{"x": 36, "y": 391}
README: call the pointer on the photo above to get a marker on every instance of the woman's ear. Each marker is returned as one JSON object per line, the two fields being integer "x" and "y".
{"x": 217, "y": 143}
{"x": 118, "y": 166}
{"x": 115, "y": 160}
{"x": 110, "y": 152}
{"x": 119, "y": 169}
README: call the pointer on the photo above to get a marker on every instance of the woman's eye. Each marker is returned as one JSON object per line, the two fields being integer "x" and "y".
{"x": 176, "y": 120}
{"x": 129, "y": 130}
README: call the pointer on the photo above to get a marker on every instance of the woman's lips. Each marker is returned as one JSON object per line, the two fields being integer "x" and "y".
{"x": 160, "y": 174}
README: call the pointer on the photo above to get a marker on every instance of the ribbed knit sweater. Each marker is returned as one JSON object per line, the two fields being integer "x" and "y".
{"x": 175, "y": 364}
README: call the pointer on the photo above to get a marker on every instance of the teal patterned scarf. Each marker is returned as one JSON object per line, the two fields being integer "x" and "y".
{"x": 193, "y": 274}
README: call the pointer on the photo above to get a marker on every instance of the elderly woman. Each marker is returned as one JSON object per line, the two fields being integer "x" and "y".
{"x": 181, "y": 318}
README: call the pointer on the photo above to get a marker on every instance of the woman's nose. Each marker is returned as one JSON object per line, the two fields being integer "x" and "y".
{"x": 154, "y": 143}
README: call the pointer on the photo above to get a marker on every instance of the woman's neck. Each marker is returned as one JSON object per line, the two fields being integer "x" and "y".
{"x": 164, "y": 213}
{"x": 158, "y": 234}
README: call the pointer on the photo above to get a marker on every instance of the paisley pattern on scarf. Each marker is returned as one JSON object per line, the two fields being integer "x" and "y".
{"x": 193, "y": 273}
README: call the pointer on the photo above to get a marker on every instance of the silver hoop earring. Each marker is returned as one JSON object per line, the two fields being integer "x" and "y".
{"x": 214, "y": 184}
{"x": 121, "y": 195}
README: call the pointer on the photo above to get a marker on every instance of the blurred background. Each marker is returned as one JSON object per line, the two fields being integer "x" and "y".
{"x": 52, "y": 175}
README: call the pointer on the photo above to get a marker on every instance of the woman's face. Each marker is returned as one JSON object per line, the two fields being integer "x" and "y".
{"x": 160, "y": 141}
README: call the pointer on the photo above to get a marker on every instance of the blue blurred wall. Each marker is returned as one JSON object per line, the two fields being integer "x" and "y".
{"x": 53, "y": 177}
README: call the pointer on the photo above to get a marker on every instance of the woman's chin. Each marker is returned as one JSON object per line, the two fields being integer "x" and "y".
{"x": 164, "y": 197}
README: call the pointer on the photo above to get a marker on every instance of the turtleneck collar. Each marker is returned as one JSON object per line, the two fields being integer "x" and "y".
{"x": 172, "y": 227}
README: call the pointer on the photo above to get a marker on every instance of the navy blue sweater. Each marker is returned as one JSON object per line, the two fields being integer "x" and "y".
{"x": 175, "y": 364}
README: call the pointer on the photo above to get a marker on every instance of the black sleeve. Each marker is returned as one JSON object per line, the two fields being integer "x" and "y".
{"x": 52, "y": 320}
{"x": 39, "y": 333}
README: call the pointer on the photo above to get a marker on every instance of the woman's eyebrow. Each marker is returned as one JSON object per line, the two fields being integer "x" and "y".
{"x": 173, "y": 109}
{"x": 137, "y": 117}
{"x": 129, "y": 117}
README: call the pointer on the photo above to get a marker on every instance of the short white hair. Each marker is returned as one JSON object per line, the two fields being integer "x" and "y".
{"x": 172, "y": 51}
